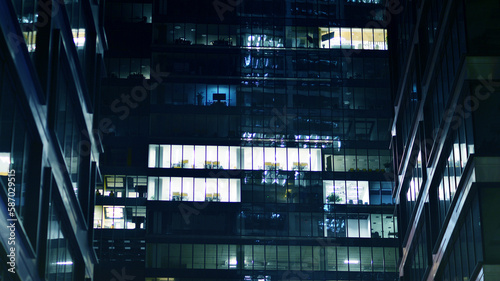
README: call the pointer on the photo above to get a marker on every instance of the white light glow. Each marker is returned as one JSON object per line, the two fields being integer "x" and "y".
{"x": 79, "y": 42}
{"x": 4, "y": 163}
{"x": 351, "y": 261}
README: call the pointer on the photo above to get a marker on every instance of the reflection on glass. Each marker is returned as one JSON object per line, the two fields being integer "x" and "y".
{"x": 268, "y": 37}
{"x": 353, "y": 38}
{"x": 59, "y": 257}
{"x": 119, "y": 217}
{"x": 342, "y": 192}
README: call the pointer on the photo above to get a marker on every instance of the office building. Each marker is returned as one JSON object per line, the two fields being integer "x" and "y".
{"x": 50, "y": 65}
{"x": 445, "y": 62}
{"x": 247, "y": 140}
{"x": 120, "y": 217}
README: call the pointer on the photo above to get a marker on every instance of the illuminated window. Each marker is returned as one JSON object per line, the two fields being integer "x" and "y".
{"x": 353, "y": 38}
{"x": 119, "y": 217}
{"x": 234, "y": 157}
{"x": 194, "y": 189}
{"x": 346, "y": 192}
{"x": 153, "y": 152}
{"x": 346, "y": 38}
{"x": 113, "y": 212}
{"x": 79, "y": 37}
{"x": 4, "y": 163}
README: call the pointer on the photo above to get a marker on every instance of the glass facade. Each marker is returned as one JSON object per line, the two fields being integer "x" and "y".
{"x": 266, "y": 137}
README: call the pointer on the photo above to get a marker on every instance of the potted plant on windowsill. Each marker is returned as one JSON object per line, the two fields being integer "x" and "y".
{"x": 333, "y": 198}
